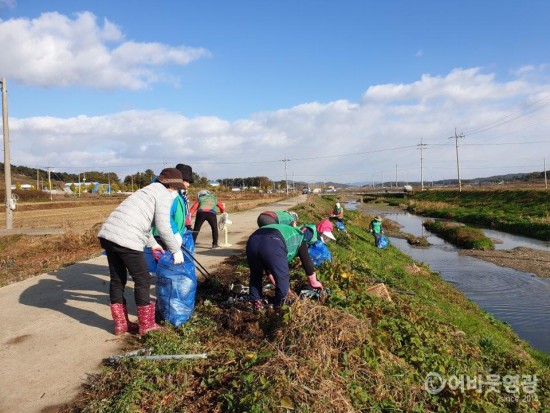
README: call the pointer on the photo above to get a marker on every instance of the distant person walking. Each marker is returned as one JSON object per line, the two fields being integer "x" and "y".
{"x": 206, "y": 208}
{"x": 277, "y": 217}
{"x": 124, "y": 235}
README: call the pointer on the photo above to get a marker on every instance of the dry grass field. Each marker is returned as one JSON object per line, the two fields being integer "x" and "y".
{"x": 23, "y": 256}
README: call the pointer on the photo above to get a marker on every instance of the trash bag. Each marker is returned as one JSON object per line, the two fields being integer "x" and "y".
{"x": 150, "y": 259}
{"x": 382, "y": 241}
{"x": 319, "y": 253}
{"x": 176, "y": 289}
{"x": 340, "y": 226}
{"x": 188, "y": 248}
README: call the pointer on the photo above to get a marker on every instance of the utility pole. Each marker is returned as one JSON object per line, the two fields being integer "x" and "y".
{"x": 286, "y": 176}
{"x": 50, "y": 182}
{"x": 395, "y": 176}
{"x": 457, "y": 163}
{"x": 7, "y": 162}
{"x": 421, "y": 147}
{"x": 545, "y": 180}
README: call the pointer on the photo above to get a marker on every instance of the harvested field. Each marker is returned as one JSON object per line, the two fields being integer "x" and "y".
{"x": 33, "y": 253}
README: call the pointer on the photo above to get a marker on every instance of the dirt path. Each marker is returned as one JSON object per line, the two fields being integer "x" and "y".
{"x": 57, "y": 328}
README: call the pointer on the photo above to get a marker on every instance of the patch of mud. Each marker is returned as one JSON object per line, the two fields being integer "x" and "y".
{"x": 520, "y": 258}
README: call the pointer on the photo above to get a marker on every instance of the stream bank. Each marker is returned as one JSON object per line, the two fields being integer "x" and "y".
{"x": 502, "y": 282}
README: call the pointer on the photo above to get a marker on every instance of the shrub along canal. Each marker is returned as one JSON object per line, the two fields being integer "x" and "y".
{"x": 517, "y": 298}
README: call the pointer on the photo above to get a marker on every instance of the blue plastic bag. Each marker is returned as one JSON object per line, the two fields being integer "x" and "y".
{"x": 176, "y": 289}
{"x": 188, "y": 248}
{"x": 382, "y": 241}
{"x": 319, "y": 253}
{"x": 340, "y": 226}
{"x": 150, "y": 259}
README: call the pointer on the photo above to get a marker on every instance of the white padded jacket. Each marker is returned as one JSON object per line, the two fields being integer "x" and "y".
{"x": 129, "y": 225}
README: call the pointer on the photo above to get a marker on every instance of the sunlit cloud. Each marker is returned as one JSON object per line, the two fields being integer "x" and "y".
{"x": 55, "y": 50}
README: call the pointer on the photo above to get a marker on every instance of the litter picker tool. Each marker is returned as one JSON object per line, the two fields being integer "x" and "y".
{"x": 200, "y": 267}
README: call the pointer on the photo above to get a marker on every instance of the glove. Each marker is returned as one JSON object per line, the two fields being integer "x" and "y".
{"x": 157, "y": 251}
{"x": 178, "y": 257}
{"x": 178, "y": 238}
{"x": 313, "y": 281}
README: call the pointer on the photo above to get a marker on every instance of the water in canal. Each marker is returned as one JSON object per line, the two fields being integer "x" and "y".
{"x": 520, "y": 299}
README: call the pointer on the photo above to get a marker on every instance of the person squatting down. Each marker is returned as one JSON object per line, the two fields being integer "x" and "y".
{"x": 206, "y": 207}
{"x": 125, "y": 233}
{"x": 271, "y": 248}
{"x": 338, "y": 212}
{"x": 277, "y": 217}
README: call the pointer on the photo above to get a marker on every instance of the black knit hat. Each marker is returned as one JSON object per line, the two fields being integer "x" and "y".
{"x": 171, "y": 177}
{"x": 186, "y": 172}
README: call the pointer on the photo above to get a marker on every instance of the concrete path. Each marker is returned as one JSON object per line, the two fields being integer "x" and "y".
{"x": 56, "y": 328}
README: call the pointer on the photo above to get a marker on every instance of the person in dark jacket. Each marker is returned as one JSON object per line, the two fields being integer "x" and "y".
{"x": 206, "y": 208}
{"x": 271, "y": 248}
{"x": 277, "y": 217}
{"x": 125, "y": 233}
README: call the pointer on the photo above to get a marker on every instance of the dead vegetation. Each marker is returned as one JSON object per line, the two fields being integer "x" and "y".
{"x": 24, "y": 256}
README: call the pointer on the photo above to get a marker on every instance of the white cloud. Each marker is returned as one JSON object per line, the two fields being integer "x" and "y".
{"x": 55, "y": 50}
{"x": 340, "y": 141}
{"x": 419, "y": 53}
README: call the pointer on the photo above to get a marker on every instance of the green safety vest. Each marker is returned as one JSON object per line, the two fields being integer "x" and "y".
{"x": 208, "y": 203}
{"x": 315, "y": 236}
{"x": 178, "y": 212}
{"x": 284, "y": 217}
{"x": 292, "y": 237}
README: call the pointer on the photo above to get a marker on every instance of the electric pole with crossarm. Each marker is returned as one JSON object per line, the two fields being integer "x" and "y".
{"x": 456, "y": 137}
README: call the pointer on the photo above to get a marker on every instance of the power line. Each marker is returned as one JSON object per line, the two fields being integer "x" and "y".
{"x": 533, "y": 107}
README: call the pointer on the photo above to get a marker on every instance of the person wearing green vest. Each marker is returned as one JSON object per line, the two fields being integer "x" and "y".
{"x": 206, "y": 207}
{"x": 277, "y": 217}
{"x": 179, "y": 212}
{"x": 376, "y": 228}
{"x": 338, "y": 212}
{"x": 271, "y": 248}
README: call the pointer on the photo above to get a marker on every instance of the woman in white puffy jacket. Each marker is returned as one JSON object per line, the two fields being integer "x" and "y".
{"x": 125, "y": 233}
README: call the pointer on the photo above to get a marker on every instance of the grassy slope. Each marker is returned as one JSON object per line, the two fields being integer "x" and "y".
{"x": 355, "y": 352}
{"x": 524, "y": 212}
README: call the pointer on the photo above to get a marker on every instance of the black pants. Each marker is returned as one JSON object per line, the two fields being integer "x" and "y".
{"x": 122, "y": 261}
{"x": 210, "y": 217}
{"x": 266, "y": 252}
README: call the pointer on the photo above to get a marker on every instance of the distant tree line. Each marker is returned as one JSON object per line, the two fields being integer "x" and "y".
{"x": 134, "y": 181}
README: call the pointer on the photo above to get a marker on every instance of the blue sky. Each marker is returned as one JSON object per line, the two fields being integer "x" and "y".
{"x": 344, "y": 90}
